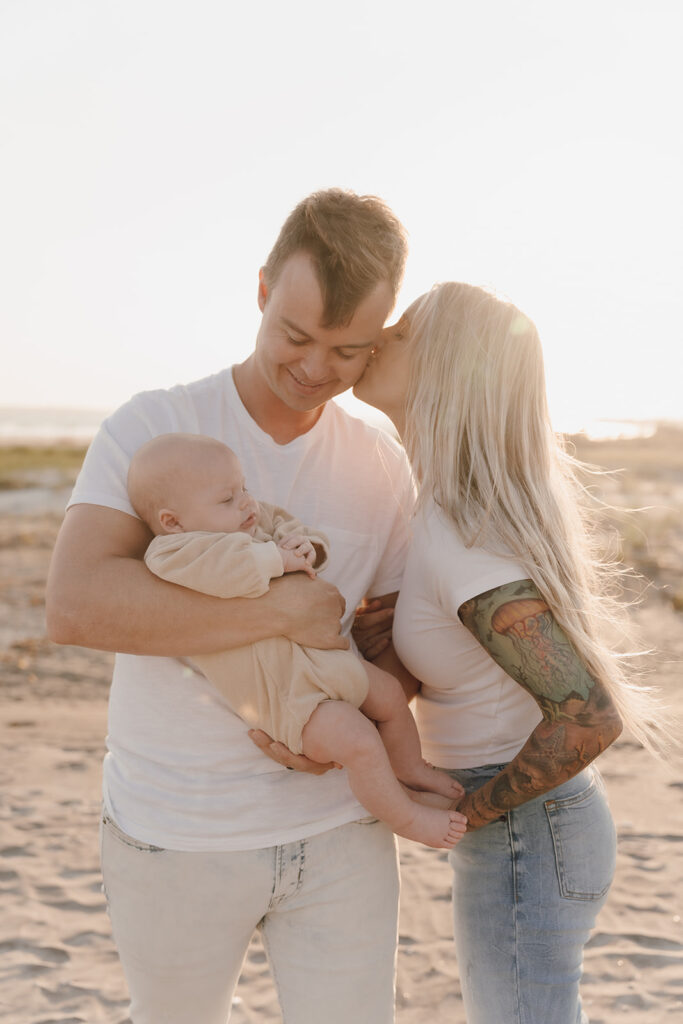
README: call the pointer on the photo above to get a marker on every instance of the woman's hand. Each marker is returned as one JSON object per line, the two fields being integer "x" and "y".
{"x": 372, "y": 628}
{"x": 284, "y": 756}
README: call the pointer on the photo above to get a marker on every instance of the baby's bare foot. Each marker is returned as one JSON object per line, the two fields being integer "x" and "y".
{"x": 427, "y": 778}
{"x": 436, "y": 828}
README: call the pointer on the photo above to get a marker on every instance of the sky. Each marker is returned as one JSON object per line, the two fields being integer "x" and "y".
{"x": 150, "y": 151}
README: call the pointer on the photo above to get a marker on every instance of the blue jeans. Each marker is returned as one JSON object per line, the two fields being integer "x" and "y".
{"x": 526, "y": 892}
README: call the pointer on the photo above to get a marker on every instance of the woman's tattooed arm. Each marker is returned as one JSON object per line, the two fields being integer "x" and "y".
{"x": 518, "y": 630}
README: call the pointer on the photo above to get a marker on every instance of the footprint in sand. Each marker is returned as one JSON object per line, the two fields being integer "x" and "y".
{"x": 81, "y": 908}
{"x": 16, "y": 851}
{"x": 88, "y": 939}
{"x": 49, "y": 891}
{"x": 73, "y": 766}
{"x": 645, "y": 941}
{"x": 77, "y": 872}
{"x": 43, "y": 954}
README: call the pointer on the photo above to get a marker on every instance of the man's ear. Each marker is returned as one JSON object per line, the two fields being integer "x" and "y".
{"x": 262, "y": 289}
{"x": 169, "y": 521}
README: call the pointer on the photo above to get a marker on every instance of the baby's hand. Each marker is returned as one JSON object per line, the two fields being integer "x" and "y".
{"x": 298, "y": 554}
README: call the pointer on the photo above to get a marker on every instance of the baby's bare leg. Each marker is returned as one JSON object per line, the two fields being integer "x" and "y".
{"x": 386, "y": 705}
{"x": 337, "y": 731}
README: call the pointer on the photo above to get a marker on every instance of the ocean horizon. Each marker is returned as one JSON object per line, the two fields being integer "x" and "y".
{"x": 56, "y": 424}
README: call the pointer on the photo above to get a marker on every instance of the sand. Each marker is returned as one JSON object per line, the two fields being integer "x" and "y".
{"x": 58, "y": 962}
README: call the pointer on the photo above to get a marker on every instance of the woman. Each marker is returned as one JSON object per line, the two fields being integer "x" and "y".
{"x": 501, "y": 616}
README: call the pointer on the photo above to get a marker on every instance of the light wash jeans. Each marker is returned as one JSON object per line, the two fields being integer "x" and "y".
{"x": 327, "y": 908}
{"x": 526, "y": 892}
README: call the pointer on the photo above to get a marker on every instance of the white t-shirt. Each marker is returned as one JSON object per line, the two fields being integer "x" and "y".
{"x": 180, "y": 771}
{"x": 469, "y": 711}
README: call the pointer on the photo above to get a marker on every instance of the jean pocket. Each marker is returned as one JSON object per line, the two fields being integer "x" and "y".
{"x": 117, "y": 833}
{"x": 584, "y": 839}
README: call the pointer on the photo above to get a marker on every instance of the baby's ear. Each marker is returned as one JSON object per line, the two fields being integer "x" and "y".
{"x": 169, "y": 521}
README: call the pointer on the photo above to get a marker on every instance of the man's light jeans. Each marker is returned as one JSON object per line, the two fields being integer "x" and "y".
{"x": 327, "y": 908}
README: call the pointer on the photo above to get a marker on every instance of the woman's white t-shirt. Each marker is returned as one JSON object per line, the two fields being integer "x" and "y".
{"x": 180, "y": 771}
{"x": 469, "y": 711}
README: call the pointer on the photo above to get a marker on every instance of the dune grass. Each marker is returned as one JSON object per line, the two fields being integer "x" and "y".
{"x": 39, "y": 465}
{"x": 645, "y": 476}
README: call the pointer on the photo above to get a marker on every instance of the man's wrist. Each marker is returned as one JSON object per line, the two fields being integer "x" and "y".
{"x": 278, "y": 614}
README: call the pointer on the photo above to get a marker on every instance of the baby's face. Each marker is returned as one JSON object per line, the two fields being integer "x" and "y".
{"x": 218, "y": 501}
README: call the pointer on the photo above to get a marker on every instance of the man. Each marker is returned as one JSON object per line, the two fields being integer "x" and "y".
{"x": 204, "y": 838}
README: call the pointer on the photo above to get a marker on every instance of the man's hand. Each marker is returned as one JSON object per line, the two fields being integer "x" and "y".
{"x": 284, "y": 756}
{"x": 298, "y": 555}
{"x": 372, "y": 628}
{"x": 312, "y": 610}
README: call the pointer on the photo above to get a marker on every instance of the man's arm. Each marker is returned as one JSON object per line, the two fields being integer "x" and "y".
{"x": 101, "y": 595}
{"x": 514, "y": 624}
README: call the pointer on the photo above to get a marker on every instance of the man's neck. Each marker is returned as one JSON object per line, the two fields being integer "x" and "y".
{"x": 266, "y": 409}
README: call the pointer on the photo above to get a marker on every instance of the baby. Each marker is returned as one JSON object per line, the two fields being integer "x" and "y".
{"x": 213, "y": 537}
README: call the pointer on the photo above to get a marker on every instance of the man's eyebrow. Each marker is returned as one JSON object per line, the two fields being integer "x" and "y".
{"x": 295, "y": 328}
{"x": 299, "y": 330}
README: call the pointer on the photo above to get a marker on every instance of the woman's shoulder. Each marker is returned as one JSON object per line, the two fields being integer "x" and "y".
{"x": 446, "y": 541}
{"x": 432, "y": 522}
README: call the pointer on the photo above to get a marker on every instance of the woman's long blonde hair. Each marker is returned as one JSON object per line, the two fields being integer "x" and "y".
{"x": 479, "y": 438}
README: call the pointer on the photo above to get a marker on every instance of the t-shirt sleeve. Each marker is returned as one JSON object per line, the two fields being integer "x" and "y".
{"x": 400, "y": 501}
{"x": 103, "y": 476}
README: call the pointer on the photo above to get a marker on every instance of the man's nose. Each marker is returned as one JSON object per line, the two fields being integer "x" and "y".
{"x": 315, "y": 366}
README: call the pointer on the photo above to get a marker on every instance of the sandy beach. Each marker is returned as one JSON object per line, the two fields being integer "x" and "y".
{"x": 58, "y": 963}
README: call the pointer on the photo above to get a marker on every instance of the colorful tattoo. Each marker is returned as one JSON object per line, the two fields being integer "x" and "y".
{"x": 517, "y": 628}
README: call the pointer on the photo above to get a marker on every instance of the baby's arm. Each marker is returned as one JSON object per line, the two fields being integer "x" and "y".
{"x": 220, "y": 564}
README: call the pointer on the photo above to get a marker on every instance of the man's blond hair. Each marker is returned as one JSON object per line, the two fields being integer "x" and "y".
{"x": 354, "y": 243}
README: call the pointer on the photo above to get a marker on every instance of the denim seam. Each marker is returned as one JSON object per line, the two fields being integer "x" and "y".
{"x": 123, "y": 837}
{"x": 275, "y": 901}
{"x": 277, "y": 877}
{"x": 569, "y": 801}
{"x": 302, "y": 864}
{"x": 273, "y": 969}
{"x": 515, "y": 901}
{"x": 277, "y": 874}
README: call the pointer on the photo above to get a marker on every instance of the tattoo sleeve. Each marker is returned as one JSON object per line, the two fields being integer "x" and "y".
{"x": 515, "y": 625}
